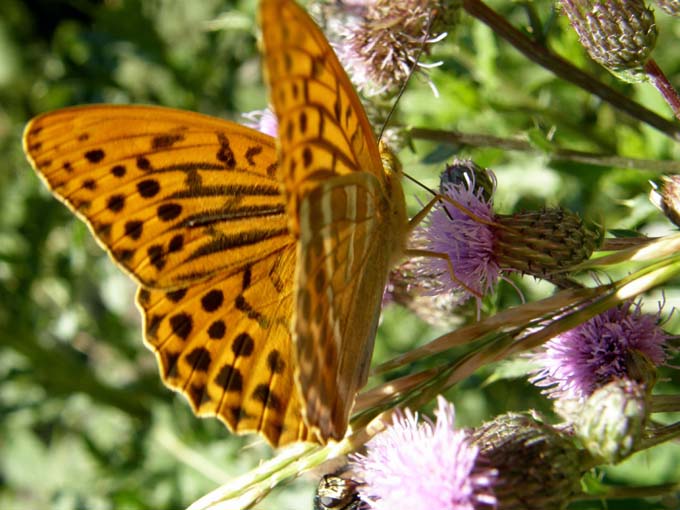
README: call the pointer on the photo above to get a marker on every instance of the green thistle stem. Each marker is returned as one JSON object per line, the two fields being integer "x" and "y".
{"x": 250, "y": 487}
{"x": 665, "y": 403}
{"x": 661, "y": 435}
{"x": 655, "y": 249}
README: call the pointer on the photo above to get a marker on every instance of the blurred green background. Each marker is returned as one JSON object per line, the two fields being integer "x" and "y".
{"x": 85, "y": 422}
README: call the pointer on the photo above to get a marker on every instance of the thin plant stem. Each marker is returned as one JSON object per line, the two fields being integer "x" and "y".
{"x": 519, "y": 144}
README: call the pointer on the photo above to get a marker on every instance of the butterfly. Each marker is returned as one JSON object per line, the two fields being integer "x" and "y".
{"x": 261, "y": 263}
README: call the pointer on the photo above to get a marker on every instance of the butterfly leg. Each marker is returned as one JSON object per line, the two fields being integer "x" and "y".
{"x": 422, "y": 214}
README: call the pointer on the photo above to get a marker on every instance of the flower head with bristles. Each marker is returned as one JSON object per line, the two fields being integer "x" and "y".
{"x": 577, "y": 362}
{"x": 618, "y": 34}
{"x": 414, "y": 465}
{"x": 382, "y": 40}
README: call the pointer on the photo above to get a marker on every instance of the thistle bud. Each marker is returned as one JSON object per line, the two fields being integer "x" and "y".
{"x": 667, "y": 197}
{"x": 544, "y": 243}
{"x": 612, "y": 421}
{"x": 618, "y": 34}
{"x": 671, "y": 7}
{"x": 537, "y": 465}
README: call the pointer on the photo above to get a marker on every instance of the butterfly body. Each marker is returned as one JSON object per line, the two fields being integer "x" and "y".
{"x": 261, "y": 264}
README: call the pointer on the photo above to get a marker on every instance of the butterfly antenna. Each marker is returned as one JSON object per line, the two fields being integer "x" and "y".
{"x": 418, "y": 183}
{"x": 401, "y": 93}
{"x": 429, "y": 190}
{"x": 402, "y": 89}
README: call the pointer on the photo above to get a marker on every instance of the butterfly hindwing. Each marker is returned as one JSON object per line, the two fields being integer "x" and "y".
{"x": 225, "y": 344}
{"x": 343, "y": 256}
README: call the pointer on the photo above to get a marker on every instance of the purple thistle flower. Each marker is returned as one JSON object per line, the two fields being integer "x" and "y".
{"x": 467, "y": 241}
{"x": 264, "y": 121}
{"x": 428, "y": 465}
{"x": 577, "y": 362}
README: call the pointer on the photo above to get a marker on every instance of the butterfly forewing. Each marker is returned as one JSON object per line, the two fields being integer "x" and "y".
{"x": 323, "y": 129}
{"x": 166, "y": 192}
{"x": 347, "y": 211}
{"x": 193, "y": 208}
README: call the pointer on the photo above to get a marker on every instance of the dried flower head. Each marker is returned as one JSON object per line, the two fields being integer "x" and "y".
{"x": 382, "y": 40}
{"x": 415, "y": 465}
{"x": 577, "y": 362}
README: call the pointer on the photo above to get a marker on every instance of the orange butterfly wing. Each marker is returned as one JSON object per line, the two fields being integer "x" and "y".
{"x": 191, "y": 207}
{"x": 346, "y": 207}
{"x": 323, "y": 129}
